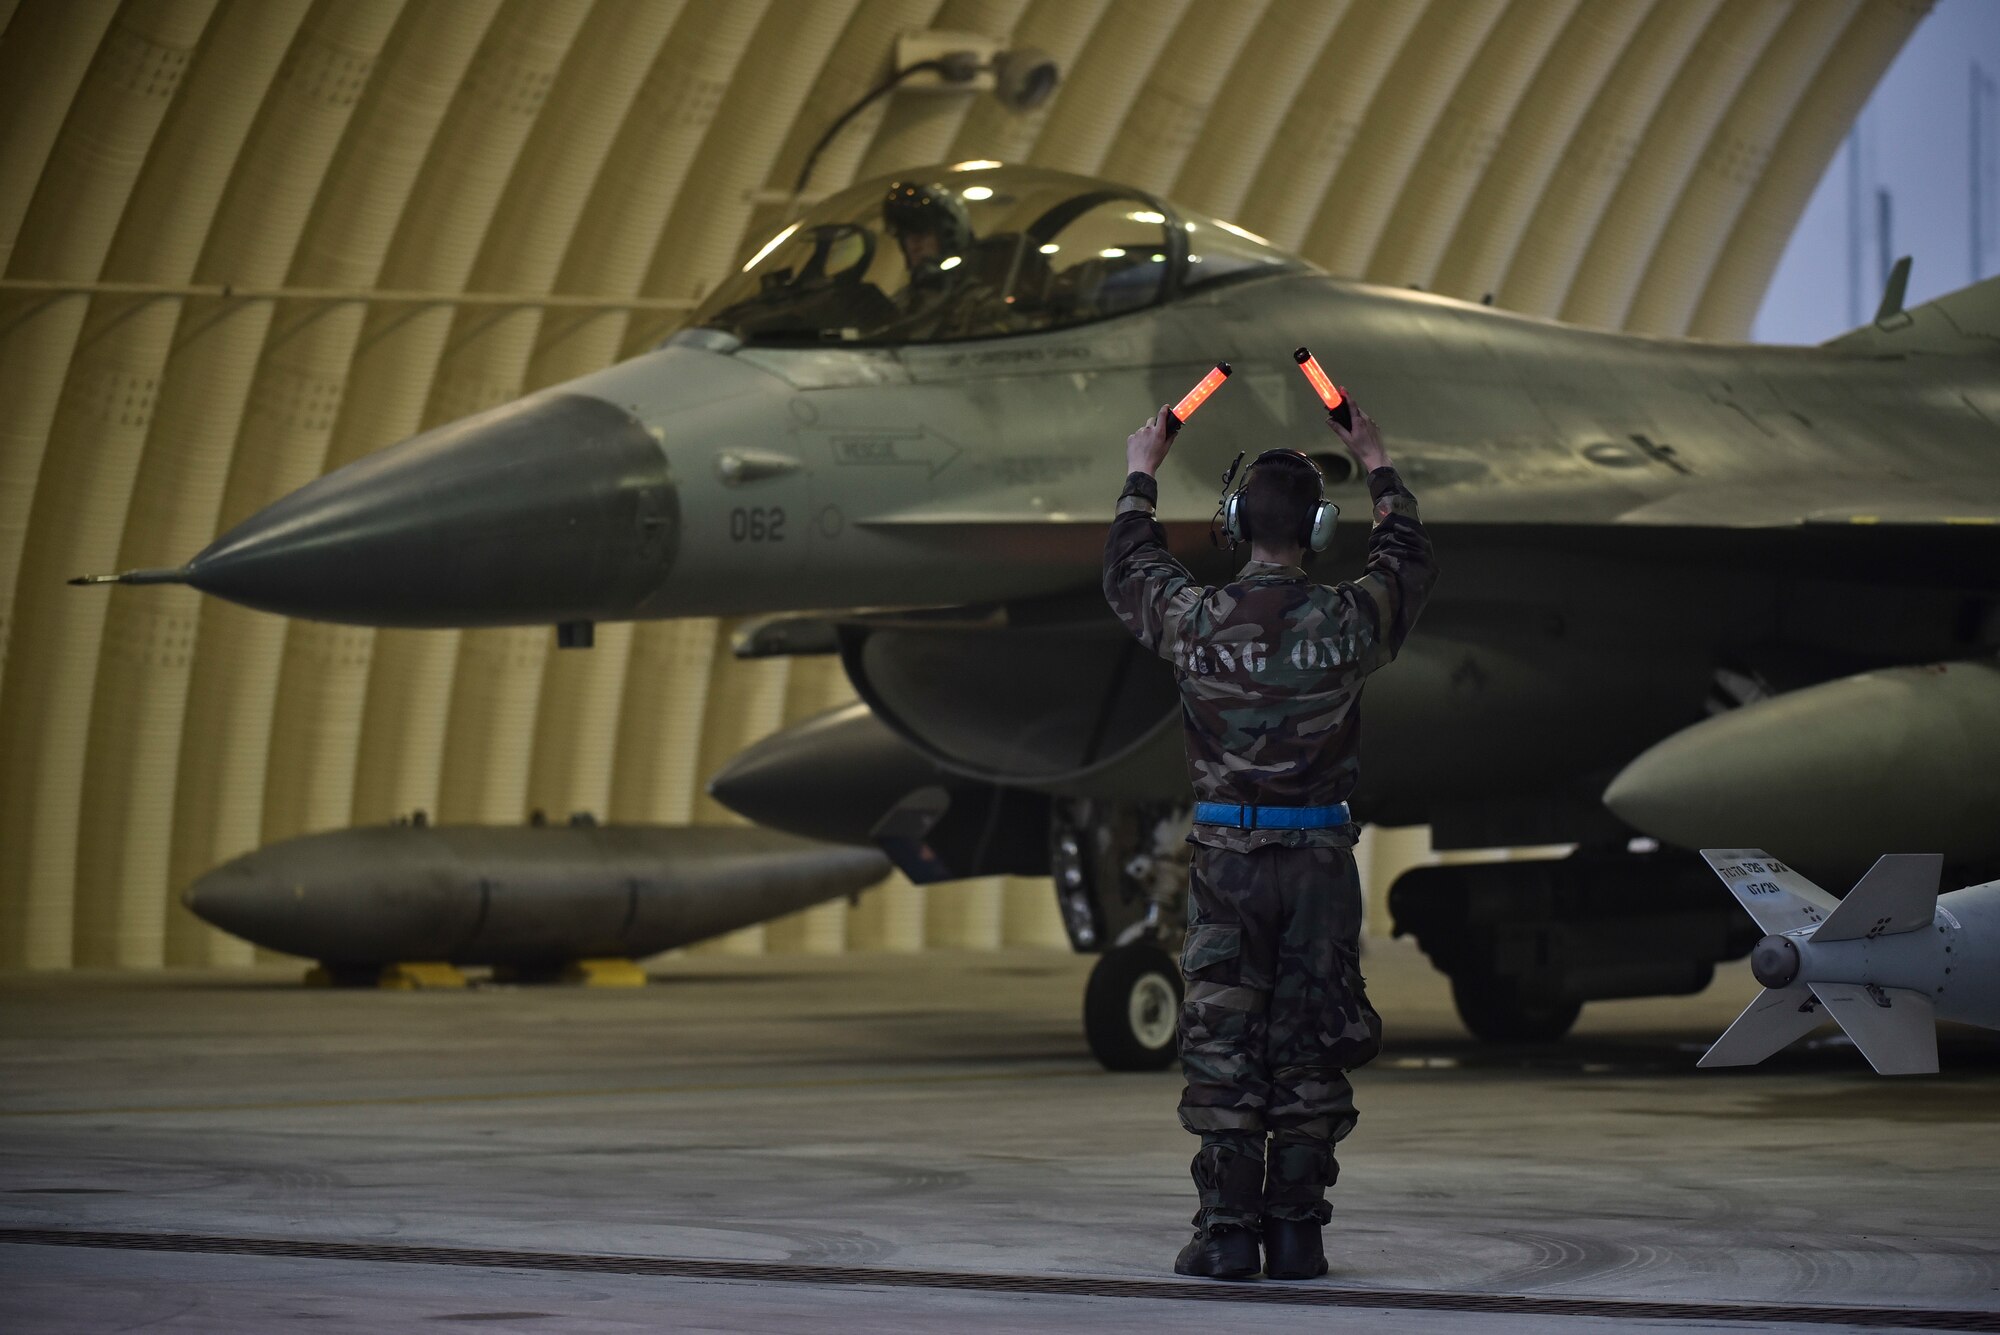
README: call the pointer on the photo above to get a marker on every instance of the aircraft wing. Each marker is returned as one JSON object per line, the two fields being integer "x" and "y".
{"x": 1907, "y": 533}
{"x": 1736, "y": 504}
{"x": 1965, "y": 503}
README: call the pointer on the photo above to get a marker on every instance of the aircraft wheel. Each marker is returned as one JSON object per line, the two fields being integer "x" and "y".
{"x": 1496, "y": 1012}
{"x": 1131, "y": 1008}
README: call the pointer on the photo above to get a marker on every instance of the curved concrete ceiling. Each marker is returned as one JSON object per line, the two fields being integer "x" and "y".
{"x": 1627, "y": 163}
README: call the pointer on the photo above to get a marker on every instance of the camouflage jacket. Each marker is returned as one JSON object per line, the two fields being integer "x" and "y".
{"x": 1271, "y": 665}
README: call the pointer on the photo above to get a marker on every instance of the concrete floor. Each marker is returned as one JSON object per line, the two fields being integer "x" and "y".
{"x": 921, "y": 1143}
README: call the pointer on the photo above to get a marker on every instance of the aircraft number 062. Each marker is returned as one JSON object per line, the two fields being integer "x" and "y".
{"x": 757, "y": 524}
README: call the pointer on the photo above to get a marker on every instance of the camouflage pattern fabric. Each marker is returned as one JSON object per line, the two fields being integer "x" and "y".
{"x": 1271, "y": 665}
{"x": 1276, "y": 1014}
{"x": 1270, "y": 669}
{"x": 1228, "y": 1174}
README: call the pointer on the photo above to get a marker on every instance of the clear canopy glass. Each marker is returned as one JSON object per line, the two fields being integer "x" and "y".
{"x": 976, "y": 250}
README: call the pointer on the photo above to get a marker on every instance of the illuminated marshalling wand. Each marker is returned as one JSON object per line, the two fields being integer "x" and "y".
{"x": 1337, "y": 407}
{"x": 1178, "y": 415}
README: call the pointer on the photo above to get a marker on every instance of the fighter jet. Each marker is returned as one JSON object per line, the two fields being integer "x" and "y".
{"x": 911, "y": 400}
{"x": 1885, "y": 963}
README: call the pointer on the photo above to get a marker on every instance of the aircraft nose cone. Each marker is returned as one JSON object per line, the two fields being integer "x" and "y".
{"x": 559, "y": 507}
{"x": 236, "y": 898}
{"x": 1828, "y": 767}
{"x": 372, "y": 894}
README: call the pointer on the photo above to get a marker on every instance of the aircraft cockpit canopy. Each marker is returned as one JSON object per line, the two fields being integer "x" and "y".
{"x": 976, "y": 250}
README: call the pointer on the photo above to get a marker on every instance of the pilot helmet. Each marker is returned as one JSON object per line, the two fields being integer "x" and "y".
{"x": 926, "y": 207}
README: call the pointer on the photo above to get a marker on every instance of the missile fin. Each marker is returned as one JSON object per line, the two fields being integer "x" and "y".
{"x": 1899, "y": 894}
{"x": 1896, "y": 1029}
{"x": 1777, "y": 1018}
{"x": 1779, "y": 898}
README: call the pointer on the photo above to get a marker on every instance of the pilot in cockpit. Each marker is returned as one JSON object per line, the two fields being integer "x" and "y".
{"x": 946, "y": 295}
{"x": 973, "y": 251}
{"x": 931, "y": 228}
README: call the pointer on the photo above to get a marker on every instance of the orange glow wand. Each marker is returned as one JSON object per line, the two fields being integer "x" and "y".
{"x": 1178, "y": 415}
{"x": 1337, "y": 408}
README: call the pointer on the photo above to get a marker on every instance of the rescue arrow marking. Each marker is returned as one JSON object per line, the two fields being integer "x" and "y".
{"x": 922, "y": 447}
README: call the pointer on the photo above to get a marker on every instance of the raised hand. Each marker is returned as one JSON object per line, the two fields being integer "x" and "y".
{"x": 1364, "y": 440}
{"x": 1146, "y": 449}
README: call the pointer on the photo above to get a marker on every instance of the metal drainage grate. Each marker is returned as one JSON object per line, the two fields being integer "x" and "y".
{"x": 1076, "y": 1286}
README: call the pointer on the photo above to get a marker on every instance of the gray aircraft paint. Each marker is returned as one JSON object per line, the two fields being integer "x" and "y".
{"x": 1900, "y": 728}
{"x": 1616, "y": 517}
{"x": 519, "y": 895}
{"x": 938, "y": 458}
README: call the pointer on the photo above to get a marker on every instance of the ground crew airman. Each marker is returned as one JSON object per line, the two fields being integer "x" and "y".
{"x": 1270, "y": 668}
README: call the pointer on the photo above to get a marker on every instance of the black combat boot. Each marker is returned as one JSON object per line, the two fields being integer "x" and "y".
{"x": 1221, "y": 1252}
{"x": 1295, "y": 1208}
{"x": 1293, "y": 1249}
{"x": 1229, "y": 1177}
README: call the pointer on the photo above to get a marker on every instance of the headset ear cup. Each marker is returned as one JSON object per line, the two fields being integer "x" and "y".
{"x": 1232, "y": 518}
{"x": 1320, "y": 534}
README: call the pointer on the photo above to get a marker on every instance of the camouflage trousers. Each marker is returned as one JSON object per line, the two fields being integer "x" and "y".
{"x": 1276, "y": 1014}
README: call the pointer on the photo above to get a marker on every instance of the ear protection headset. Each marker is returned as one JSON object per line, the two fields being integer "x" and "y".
{"x": 1317, "y": 531}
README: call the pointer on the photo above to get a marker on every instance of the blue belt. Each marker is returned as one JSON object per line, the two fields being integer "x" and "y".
{"x": 1249, "y": 816}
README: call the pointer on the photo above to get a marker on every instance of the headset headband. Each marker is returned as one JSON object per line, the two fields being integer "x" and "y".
{"x": 1284, "y": 455}
{"x": 1316, "y": 533}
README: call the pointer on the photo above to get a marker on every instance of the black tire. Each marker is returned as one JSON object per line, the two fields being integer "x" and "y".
{"x": 1128, "y": 1015}
{"x": 1497, "y": 1012}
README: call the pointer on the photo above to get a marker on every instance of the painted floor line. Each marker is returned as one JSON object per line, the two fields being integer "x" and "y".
{"x": 1081, "y": 1286}
{"x": 526, "y": 1095}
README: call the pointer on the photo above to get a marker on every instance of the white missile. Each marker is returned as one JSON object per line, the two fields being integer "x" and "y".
{"x": 1885, "y": 964}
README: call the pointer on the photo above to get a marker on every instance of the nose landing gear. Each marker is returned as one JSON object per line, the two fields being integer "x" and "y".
{"x": 1121, "y": 881}
{"x": 1131, "y": 1007}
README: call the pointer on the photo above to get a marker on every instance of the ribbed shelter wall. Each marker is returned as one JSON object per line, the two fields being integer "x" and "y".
{"x": 1244, "y": 118}
{"x": 1363, "y": 193}
{"x": 1462, "y": 143}
{"x": 1595, "y": 158}
{"x": 42, "y": 60}
{"x": 860, "y": 60}
{"x": 72, "y": 512}
{"x": 746, "y": 701}
{"x": 1627, "y": 163}
{"x": 1107, "y": 75}
{"x": 276, "y": 702}
{"x": 1600, "y": 291}
{"x": 1318, "y": 130}
{"x": 395, "y": 390}
{"x": 147, "y": 644}
{"x": 209, "y": 397}
{"x": 1176, "y": 100}
{"x": 813, "y": 685}
{"x": 597, "y": 714}
{"x": 666, "y": 697}
{"x": 1733, "y": 162}
{"x": 491, "y": 732}
{"x": 44, "y": 55}
{"x": 1818, "y": 122}
{"x": 1491, "y": 224}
